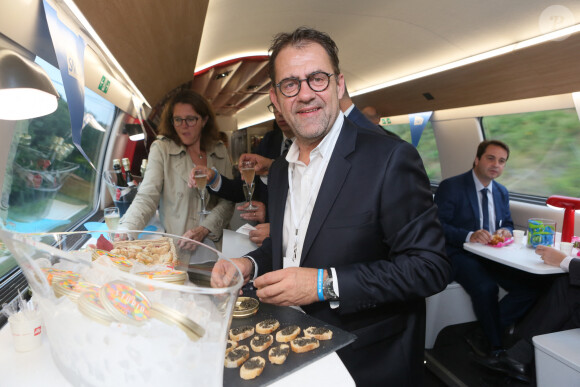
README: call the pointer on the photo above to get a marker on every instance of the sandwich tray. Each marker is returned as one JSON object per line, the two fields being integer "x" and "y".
{"x": 295, "y": 361}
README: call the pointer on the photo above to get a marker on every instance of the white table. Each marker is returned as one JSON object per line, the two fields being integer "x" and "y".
{"x": 515, "y": 255}
{"x": 37, "y": 368}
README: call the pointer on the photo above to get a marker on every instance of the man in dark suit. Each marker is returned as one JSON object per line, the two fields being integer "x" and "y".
{"x": 273, "y": 144}
{"x": 473, "y": 207}
{"x": 355, "y": 239}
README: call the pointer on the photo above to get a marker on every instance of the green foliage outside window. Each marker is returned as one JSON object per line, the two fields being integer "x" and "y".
{"x": 427, "y": 148}
{"x": 544, "y": 151}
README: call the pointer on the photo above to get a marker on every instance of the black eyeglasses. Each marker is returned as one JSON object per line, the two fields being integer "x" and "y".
{"x": 271, "y": 108}
{"x": 189, "y": 121}
{"x": 317, "y": 81}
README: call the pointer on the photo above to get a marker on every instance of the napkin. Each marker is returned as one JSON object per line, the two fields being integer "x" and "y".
{"x": 245, "y": 229}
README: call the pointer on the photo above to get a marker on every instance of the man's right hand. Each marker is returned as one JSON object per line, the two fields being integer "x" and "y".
{"x": 223, "y": 272}
{"x": 262, "y": 163}
{"x": 480, "y": 236}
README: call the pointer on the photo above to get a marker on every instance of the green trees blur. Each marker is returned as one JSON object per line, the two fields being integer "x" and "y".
{"x": 544, "y": 151}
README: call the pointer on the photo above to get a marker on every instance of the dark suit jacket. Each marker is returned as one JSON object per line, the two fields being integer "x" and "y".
{"x": 375, "y": 222}
{"x": 457, "y": 200}
{"x": 557, "y": 310}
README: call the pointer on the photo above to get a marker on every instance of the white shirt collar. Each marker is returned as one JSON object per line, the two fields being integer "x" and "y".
{"x": 478, "y": 185}
{"x": 350, "y": 108}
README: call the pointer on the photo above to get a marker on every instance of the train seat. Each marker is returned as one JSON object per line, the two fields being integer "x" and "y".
{"x": 448, "y": 307}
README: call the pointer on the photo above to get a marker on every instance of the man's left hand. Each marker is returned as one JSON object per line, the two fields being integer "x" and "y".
{"x": 258, "y": 215}
{"x": 550, "y": 255}
{"x": 286, "y": 287}
{"x": 504, "y": 232}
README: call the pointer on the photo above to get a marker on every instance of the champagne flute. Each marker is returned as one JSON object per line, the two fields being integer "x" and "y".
{"x": 200, "y": 176}
{"x": 112, "y": 217}
{"x": 248, "y": 173}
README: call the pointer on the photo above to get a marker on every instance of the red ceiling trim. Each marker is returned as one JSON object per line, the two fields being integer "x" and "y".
{"x": 232, "y": 61}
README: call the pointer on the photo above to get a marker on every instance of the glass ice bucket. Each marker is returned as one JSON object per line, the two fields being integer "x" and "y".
{"x": 122, "y": 196}
{"x": 153, "y": 311}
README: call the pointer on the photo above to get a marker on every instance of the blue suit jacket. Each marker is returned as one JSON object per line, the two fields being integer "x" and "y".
{"x": 374, "y": 221}
{"x": 459, "y": 214}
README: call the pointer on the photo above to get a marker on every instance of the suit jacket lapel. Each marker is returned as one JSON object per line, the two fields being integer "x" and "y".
{"x": 278, "y": 193}
{"x": 332, "y": 183}
{"x": 472, "y": 193}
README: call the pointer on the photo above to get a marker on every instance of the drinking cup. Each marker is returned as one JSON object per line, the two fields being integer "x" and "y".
{"x": 519, "y": 236}
{"x": 26, "y": 331}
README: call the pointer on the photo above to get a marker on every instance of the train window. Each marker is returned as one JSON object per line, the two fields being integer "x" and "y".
{"x": 427, "y": 148}
{"x": 543, "y": 151}
{"x": 48, "y": 184}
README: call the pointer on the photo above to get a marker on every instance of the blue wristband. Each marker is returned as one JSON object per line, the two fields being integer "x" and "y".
{"x": 215, "y": 175}
{"x": 319, "y": 284}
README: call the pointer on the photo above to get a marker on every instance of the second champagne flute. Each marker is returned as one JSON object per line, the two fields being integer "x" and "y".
{"x": 112, "y": 217}
{"x": 248, "y": 172}
{"x": 200, "y": 175}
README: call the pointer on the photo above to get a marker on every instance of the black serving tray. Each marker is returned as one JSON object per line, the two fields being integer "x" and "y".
{"x": 295, "y": 361}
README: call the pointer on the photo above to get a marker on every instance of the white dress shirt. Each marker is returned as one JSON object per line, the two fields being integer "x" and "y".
{"x": 490, "y": 205}
{"x": 304, "y": 182}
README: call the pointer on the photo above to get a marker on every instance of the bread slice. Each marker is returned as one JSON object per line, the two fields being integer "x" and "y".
{"x": 252, "y": 368}
{"x": 304, "y": 344}
{"x": 231, "y": 345}
{"x": 287, "y": 334}
{"x": 237, "y": 356}
{"x": 267, "y": 326}
{"x": 320, "y": 333}
{"x": 241, "y": 333}
{"x": 278, "y": 354}
{"x": 260, "y": 343}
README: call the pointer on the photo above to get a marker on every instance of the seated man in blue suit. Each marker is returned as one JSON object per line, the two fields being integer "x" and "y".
{"x": 472, "y": 207}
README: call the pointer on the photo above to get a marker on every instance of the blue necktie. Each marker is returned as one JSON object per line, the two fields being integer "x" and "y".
{"x": 484, "y": 209}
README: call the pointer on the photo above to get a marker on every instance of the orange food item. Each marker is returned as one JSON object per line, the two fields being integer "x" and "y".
{"x": 495, "y": 239}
